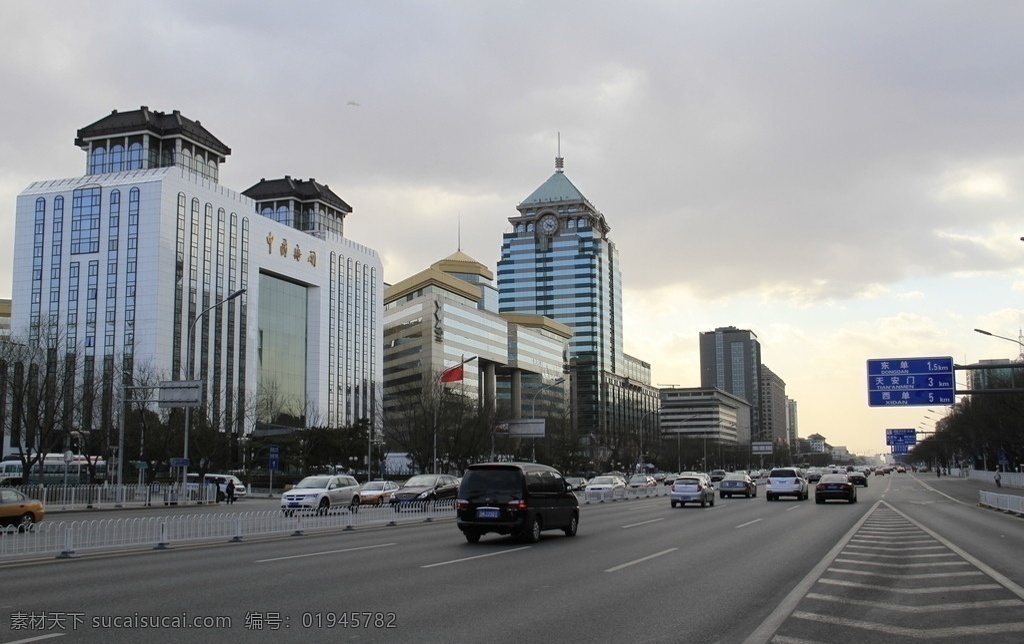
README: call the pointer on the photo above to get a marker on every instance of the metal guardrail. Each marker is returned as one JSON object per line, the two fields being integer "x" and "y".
{"x": 65, "y": 539}
{"x": 1010, "y": 503}
{"x": 84, "y": 497}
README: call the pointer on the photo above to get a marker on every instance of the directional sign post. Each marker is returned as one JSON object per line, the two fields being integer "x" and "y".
{"x": 904, "y": 382}
{"x": 901, "y": 437}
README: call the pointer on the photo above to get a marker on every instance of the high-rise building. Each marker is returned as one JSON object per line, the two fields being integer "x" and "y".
{"x": 730, "y": 360}
{"x": 127, "y": 266}
{"x": 773, "y": 407}
{"x": 559, "y": 261}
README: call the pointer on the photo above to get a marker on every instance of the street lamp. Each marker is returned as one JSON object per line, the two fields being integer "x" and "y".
{"x": 533, "y": 413}
{"x": 191, "y": 371}
{"x": 1018, "y": 342}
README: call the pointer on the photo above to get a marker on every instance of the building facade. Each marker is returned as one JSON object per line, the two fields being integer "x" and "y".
{"x": 558, "y": 261}
{"x": 773, "y": 408}
{"x": 730, "y": 360}
{"x": 135, "y": 264}
{"x": 706, "y": 413}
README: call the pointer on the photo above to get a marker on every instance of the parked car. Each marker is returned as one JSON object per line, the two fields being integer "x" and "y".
{"x": 321, "y": 493}
{"x": 519, "y": 499}
{"x": 787, "y": 481}
{"x": 17, "y": 509}
{"x": 692, "y": 489}
{"x": 605, "y": 485}
{"x": 376, "y": 492}
{"x": 835, "y": 486}
{"x": 642, "y": 480}
{"x": 577, "y": 482}
{"x": 737, "y": 483}
{"x": 858, "y": 477}
{"x": 420, "y": 489}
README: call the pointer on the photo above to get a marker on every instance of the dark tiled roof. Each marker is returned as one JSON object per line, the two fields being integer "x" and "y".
{"x": 302, "y": 190}
{"x": 158, "y": 123}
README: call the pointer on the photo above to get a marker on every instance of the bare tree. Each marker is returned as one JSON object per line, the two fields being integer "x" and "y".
{"x": 47, "y": 398}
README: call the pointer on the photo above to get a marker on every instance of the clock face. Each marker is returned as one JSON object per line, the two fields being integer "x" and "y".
{"x": 548, "y": 224}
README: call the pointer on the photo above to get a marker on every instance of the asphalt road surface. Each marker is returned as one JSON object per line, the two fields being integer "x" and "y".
{"x": 914, "y": 560}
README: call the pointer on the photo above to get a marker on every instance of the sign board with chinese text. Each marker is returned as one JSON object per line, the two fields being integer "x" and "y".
{"x": 904, "y": 382}
{"x": 901, "y": 437}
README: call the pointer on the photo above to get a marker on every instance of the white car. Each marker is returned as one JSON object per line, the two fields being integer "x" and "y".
{"x": 320, "y": 494}
{"x": 605, "y": 485}
{"x": 786, "y": 481}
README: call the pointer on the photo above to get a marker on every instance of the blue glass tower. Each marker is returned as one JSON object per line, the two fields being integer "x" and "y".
{"x": 558, "y": 261}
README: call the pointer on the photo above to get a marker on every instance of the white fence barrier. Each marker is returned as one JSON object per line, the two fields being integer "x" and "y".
{"x": 84, "y": 497}
{"x": 1011, "y": 503}
{"x": 622, "y": 494}
{"x": 68, "y": 538}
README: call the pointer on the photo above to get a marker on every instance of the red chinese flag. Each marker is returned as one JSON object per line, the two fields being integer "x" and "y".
{"x": 452, "y": 374}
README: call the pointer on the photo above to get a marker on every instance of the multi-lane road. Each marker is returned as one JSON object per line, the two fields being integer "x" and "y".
{"x": 914, "y": 559}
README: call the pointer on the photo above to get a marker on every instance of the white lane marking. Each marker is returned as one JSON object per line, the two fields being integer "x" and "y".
{"x": 763, "y": 633}
{"x": 915, "y": 633}
{"x": 985, "y": 568}
{"x": 489, "y": 554}
{"x": 633, "y": 525}
{"x": 743, "y": 525}
{"x": 930, "y": 608}
{"x": 326, "y": 552}
{"x": 641, "y": 560}
{"x": 37, "y": 639}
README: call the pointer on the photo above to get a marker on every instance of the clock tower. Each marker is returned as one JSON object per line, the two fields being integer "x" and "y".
{"x": 558, "y": 261}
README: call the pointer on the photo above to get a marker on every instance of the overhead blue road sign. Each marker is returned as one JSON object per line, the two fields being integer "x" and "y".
{"x": 901, "y": 437}
{"x": 901, "y": 449}
{"x": 179, "y": 462}
{"x": 904, "y": 382}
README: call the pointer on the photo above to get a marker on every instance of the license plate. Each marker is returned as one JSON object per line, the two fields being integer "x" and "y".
{"x": 487, "y": 513}
{"x": 293, "y": 505}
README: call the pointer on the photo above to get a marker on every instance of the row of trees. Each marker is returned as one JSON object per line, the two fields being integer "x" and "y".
{"x": 983, "y": 431}
{"x": 52, "y": 400}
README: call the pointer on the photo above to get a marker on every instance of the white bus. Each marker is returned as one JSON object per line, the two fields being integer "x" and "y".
{"x": 54, "y": 470}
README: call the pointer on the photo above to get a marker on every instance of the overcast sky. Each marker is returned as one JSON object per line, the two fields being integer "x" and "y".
{"x": 841, "y": 178}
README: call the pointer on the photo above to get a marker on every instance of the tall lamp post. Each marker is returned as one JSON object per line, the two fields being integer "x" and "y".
{"x": 640, "y": 456}
{"x": 191, "y": 370}
{"x": 533, "y": 412}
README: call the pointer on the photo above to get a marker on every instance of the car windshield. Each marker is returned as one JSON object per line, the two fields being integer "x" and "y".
{"x": 374, "y": 486}
{"x": 422, "y": 480}
{"x": 602, "y": 480}
{"x": 688, "y": 481}
{"x": 314, "y": 482}
{"x": 638, "y": 478}
{"x": 735, "y": 477}
{"x": 783, "y": 474}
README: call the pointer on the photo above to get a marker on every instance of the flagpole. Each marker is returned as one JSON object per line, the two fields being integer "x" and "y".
{"x": 437, "y": 404}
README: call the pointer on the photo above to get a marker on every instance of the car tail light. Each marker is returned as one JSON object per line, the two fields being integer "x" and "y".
{"x": 461, "y": 504}
{"x": 518, "y": 504}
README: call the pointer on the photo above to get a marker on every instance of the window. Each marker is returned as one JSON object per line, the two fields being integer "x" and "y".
{"x": 85, "y": 221}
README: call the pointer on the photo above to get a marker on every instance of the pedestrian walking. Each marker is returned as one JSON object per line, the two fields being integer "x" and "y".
{"x": 998, "y": 480}
{"x": 229, "y": 491}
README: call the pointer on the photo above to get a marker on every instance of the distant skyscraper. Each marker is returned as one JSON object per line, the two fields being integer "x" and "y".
{"x": 558, "y": 261}
{"x": 730, "y": 359}
{"x": 773, "y": 407}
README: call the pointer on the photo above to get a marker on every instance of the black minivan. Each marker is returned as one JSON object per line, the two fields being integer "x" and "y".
{"x": 520, "y": 499}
